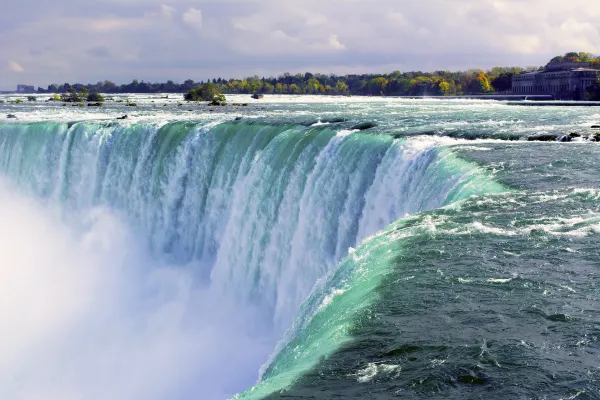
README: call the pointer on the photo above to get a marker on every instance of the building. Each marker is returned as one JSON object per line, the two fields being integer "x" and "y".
{"x": 25, "y": 89}
{"x": 562, "y": 80}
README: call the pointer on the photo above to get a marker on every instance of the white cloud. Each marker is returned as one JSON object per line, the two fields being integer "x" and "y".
{"x": 193, "y": 17}
{"x": 334, "y": 42}
{"x": 167, "y": 11}
{"x": 117, "y": 24}
{"x": 318, "y": 19}
{"x": 15, "y": 66}
{"x": 271, "y": 37}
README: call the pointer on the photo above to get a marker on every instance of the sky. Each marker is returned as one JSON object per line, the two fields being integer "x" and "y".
{"x": 76, "y": 41}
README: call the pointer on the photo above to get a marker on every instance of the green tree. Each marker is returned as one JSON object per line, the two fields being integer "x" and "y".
{"x": 502, "y": 83}
{"x": 593, "y": 92}
{"x": 445, "y": 88}
{"x": 377, "y": 86}
{"x": 341, "y": 87}
{"x": 206, "y": 92}
{"x": 95, "y": 97}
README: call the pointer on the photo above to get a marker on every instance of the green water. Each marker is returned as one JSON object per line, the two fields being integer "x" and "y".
{"x": 400, "y": 261}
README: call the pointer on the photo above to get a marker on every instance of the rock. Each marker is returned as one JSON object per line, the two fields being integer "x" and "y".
{"x": 595, "y": 126}
{"x": 238, "y": 118}
{"x": 257, "y": 96}
{"x": 364, "y": 126}
{"x": 559, "y": 318}
{"x": 564, "y": 138}
{"x": 574, "y": 135}
{"x": 543, "y": 138}
{"x": 94, "y": 104}
{"x": 11, "y": 116}
{"x": 472, "y": 380}
{"x": 123, "y": 117}
{"x": 333, "y": 120}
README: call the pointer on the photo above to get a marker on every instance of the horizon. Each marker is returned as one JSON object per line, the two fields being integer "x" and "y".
{"x": 156, "y": 41}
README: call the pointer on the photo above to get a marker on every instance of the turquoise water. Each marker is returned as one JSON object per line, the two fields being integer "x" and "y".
{"x": 398, "y": 261}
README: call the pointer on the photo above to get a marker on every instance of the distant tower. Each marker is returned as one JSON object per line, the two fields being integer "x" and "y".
{"x": 25, "y": 89}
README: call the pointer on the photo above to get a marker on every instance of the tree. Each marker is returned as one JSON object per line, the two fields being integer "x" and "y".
{"x": 206, "y": 92}
{"x": 502, "y": 83}
{"x": 445, "y": 88}
{"x": 268, "y": 88}
{"x": 377, "y": 86}
{"x": 572, "y": 57}
{"x": 557, "y": 59}
{"x": 294, "y": 89}
{"x": 480, "y": 84}
{"x": 593, "y": 92}
{"x": 341, "y": 87}
{"x": 95, "y": 97}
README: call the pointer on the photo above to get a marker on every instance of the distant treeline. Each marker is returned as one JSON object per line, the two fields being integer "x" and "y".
{"x": 392, "y": 84}
{"x": 440, "y": 83}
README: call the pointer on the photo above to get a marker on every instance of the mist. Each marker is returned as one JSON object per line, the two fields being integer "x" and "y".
{"x": 87, "y": 313}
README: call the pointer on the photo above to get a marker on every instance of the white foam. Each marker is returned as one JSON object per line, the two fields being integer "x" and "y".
{"x": 372, "y": 370}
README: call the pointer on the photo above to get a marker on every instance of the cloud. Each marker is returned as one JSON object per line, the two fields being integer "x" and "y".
{"x": 193, "y": 17}
{"x": 99, "y": 51}
{"x": 116, "y": 24}
{"x": 160, "y": 40}
{"x": 15, "y": 66}
{"x": 167, "y": 11}
{"x": 335, "y": 43}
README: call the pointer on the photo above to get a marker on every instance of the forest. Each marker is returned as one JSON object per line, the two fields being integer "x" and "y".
{"x": 396, "y": 83}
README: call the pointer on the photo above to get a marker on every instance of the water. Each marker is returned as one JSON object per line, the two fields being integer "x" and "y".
{"x": 203, "y": 252}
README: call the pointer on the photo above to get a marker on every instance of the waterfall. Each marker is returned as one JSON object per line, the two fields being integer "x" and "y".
{"x": 256, "y": 214}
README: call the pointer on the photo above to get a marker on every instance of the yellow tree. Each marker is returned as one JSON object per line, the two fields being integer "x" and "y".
{"x": 341, "y": 87}
{"x": 445, "y": 88}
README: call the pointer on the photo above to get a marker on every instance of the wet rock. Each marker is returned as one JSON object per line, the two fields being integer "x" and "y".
{"x": 595, "y": 126}
{"x": 403, "y": 350}
{"x": 543, "y": 138}
{"x": 238, "y": 118}
{"x": 473, "y": 379}
{"x": 364, "y": 126}
{"x": 559, "y": 318}
{"x": 123, "y": 117}
{"x": 257, "y": 96}
{"x": 564, "y": 138}
{"x": 334, "y": 120}
{"x": 11, "y": 116}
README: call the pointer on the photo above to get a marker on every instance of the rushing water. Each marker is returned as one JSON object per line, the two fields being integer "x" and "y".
{"x": 185, "y": 252}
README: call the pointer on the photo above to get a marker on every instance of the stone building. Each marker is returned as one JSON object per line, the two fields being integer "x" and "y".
{"x": 562, "y": 80}
{"x": 25, "y": 89}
